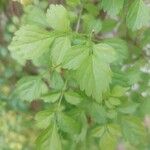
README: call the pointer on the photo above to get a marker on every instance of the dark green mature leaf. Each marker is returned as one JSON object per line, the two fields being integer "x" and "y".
{"x": 97, "y": 112}
{"x": 68, "y": 124}
{"x": 133, "y": 130}
{"x": 91, "y": 24}
{"x": 138, "y": 15}
{"x": 30, "y": 42}
{"x": 58, "y": 18}
{"x": 30, "y": 88}
{"x": 113, "y": 7}
{"x": 59, "y": 48}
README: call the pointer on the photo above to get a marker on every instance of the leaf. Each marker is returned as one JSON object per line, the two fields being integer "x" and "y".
{"x": 49, "y": 139}
{"x": 114, "y": 101}
{"x": 30, "y": 42}
{"x": 90, "y": 24}
{"x": 94, "y": 74}
{"x": 108, "y": 25}
{"x": 128, "y": 108}
{"x": 138, "y": 15}
{"x": 108, "y": 142}
{"x": 133, "y": 130}
{"x": 35, "y": 16}
{"x": 58, "y": 18}
{"x": 113, "y": 7}
{"x": 119, "y": 91}
{"x": 30, "y": 88}
{"x": 97, "y": 112}
{"x": 56, "y": 81}
{"x": 73, "y": 98}
{"x": 51, "y": 97}
{"x": 68, "y": 124}
{"x": 109, "y": 139}
{"x": 74, "y": 57}
{"x": 59, "y": 48}
{"x": 120, "y": 47}
{"x": 98, "y": 131}
{"x": 44, "y": 118}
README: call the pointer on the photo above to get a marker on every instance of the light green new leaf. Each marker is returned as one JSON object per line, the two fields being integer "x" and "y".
{"x": 108, "y": 142}
{"x": 113, "y": 7}
{"x": 44, "y": 118}
{"x": 109, "y": 138}
{"x": 94, "y": 74}
{"x": 75, "y": 56}
{"x": 98, "y": 131}
{"x": 58, "y": 18}
{"x": 73, "y": 98}
{"x": 56, "y": 81}
{"x": 119, "y": 91}
{"x": 30, "y": 88}
{"x": 114, "y": 101}
{"x": 35, "y": 16}
{"x": 51, "y": 97}
{"x": 59, "y": 48}
{"x": 138, "y": 15}
{"x": 49, "y": 139}
{"x": 133, "y": 130}
{"x": 30, "y": 42}
{"x": 120, "y": 48}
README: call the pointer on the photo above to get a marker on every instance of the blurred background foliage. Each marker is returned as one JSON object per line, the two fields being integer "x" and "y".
{"x": 17, "y": 131}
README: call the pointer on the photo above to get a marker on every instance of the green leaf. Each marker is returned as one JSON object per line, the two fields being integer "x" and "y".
{"x": 30, "y": 42}
{"x": 109, "y": 139}
{"x": 30, "y": 88}
{"x": 49, "y": 139}
{"x": 56, "y": 81}
{"x": 75, "y": 56}
{"x": 133, "y": 130}
{"x": 113, "y": 7}
{"x": 119, "y": 91}
{"x": 114, "y": 101}
{"x": 97, "y": 112}
{"x": 90, "y": 24}
{"x": 68, "y": 124}
{"x": 58, "y": 18}
{"x": 73, "y": 98}
{"x": 94, "y": 74}
{"x": 120, "y": 47}
{"x": 59, "y": 48}
{"x": 108, "y": 142}
{"x": 51, "y": 97}
{"x": 98, "y": 131}
{"x": 128, "y": 108}
{"x": 138, "y": 15}
{"x": 108, "y": 25}
{"x": 44, "y": 118}
{"x": 35, "y": 16}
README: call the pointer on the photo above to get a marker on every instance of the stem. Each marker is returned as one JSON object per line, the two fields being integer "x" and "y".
{"x": 62, "y": 93}
{"x": 79, "y": 20}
